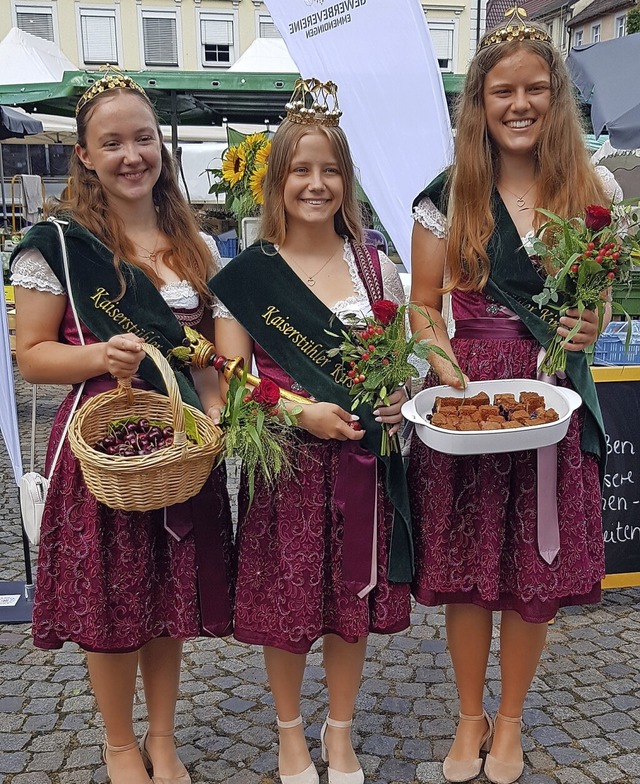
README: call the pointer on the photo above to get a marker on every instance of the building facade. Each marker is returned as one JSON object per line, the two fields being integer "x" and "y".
{"x": 199, "y": 35}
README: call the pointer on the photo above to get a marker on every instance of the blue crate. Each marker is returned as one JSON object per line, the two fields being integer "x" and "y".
{"x": 227, "y": 244}
{"x": 610, "y": 348}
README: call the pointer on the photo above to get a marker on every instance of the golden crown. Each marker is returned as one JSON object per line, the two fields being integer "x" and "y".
{"x": 314, "y": 103}
{"x": 112, "y": 80}
{"x": 515, "y": 29}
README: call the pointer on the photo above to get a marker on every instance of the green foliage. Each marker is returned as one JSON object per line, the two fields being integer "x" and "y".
{"x": 633, "y": 21}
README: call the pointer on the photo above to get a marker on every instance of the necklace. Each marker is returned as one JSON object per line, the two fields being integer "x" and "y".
{"x": 311, "y": 279}
{"x": 520, "y": 199}
{"x": 150, "y": 254}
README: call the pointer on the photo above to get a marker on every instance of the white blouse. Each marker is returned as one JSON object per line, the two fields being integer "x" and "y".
{"x": 31, "y": 270}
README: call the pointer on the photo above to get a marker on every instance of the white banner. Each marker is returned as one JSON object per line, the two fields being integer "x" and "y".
{"x": 8, "y": 413}
{"x": 380, "y": 55}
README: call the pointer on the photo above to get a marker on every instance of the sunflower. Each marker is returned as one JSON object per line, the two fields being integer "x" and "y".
{"x": 254, "y": 140}
{"x": 255, "y": 183}
{"x": 233, "y": 165}
{"x": 263, "y": 153}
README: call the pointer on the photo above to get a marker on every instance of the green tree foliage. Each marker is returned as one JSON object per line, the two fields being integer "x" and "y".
{"x": 633, "y": 21}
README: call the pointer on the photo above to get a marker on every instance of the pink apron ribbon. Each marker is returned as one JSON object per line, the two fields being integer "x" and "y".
{"x": 548, "y": 531}
{"x": 356, "y": 495}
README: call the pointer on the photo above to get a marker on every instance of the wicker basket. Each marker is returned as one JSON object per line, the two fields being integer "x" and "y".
{"x": 144, "y": 482}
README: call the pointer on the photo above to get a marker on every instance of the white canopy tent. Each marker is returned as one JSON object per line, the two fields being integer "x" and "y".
{"x": 265, "y": 55}
{"x": 28, "y": 59}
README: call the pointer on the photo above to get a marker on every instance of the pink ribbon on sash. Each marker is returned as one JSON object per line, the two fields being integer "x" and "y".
{"x": 355, "y": 494}
{"x": 548, "y": 531}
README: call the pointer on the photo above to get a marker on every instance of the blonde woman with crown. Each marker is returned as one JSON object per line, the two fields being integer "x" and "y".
{"x": 485, "y": 540}
{"x": 319, "y": 555}
{"x": 122, "y": 585}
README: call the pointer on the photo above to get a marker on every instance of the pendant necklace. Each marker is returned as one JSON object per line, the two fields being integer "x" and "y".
{"x": 520, "y": 202}
{"x": 151, "y": 255}
{"x": 311, "y": 279}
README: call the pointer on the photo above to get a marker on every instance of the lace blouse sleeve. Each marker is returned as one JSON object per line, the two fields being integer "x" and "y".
{"x": 391, "y": 284}
{"x": 30, "y": 270}
{"x": 218, "y": 310}
{"x": 428, "y": 215}
{"x": 611, "y": 187}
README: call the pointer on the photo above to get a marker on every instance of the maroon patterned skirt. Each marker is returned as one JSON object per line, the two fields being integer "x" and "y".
{"x": 109, "y": 580}
{"x": 289, "y": 590}
{"x": 475, "y": 518}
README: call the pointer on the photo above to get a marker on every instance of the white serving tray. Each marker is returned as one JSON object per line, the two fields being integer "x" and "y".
{"x": 564, "y": 401}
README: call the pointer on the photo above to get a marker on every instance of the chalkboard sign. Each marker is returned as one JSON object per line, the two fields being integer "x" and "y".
{"x": 620, "y": 403}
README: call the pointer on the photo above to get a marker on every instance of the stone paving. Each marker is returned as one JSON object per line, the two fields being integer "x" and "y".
{"x": 582, "y": 715}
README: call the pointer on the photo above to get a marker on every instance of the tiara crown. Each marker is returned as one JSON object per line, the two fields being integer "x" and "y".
{"x": 314, "y": 103}
{"x": 112, "y": 80}
{"x": 516, "y": 28}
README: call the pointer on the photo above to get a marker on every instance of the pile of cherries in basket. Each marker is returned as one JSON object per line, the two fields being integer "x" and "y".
{"x": 135, "y": 436}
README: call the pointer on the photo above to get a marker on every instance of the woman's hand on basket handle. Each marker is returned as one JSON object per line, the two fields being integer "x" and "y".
{"x": 123, "y": 355}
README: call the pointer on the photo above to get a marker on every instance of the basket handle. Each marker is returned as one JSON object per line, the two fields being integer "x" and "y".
{"x": 173, "y": 391}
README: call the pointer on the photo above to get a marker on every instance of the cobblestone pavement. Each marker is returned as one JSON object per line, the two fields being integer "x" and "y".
{"x": 582, "y": 716}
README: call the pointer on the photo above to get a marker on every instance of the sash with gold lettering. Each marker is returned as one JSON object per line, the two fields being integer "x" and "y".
{"x": 284, "y": 317}
{"x": 95, "y": 284}
{"x": 143, "y": 311}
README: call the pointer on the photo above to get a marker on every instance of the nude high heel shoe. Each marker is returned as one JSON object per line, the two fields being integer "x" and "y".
{"x": 107, "y": 749}
{"x": 308, "y": 775}
{"x": 338, "y": 776}
{"x": 465, "y": 770}
{"x": 182, "y": 778}
{"x": 504, "y": 771}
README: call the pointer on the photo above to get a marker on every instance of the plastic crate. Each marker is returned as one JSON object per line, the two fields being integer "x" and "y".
{"x": 610, "y": 348}
{"x": 628, "y": 296}
{"x": 227, "y": 244}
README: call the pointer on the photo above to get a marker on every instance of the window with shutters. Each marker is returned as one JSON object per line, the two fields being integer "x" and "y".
{"x": 160, "y": 38}
{"x": 37, "y": 20}
{"x": 266, "y": 27}
{"x": 98, "y": 36}
{"x": 442, "y": 35}
{"x": 217, "y": 39}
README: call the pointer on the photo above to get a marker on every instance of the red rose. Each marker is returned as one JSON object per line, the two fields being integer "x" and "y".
{"x": 267, "y": 393}
{"x": 596, "y": 217}
{"x": 385, "y": 311}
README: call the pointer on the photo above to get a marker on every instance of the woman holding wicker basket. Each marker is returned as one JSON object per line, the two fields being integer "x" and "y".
{"x": 123, "y": 585}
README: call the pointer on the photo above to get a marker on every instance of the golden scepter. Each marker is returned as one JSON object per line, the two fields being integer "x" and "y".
{"x": 199, "y": 352}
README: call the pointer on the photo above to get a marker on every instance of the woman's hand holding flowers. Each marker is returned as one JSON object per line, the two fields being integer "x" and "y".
{"x": 586, "y": 335}
{"x": 391, "y": 414}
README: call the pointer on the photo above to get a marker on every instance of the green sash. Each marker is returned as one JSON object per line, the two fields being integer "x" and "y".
{"x": 291, "y": 324}
{"x": 141, "y": 310}
{"x": 513, "y": 280}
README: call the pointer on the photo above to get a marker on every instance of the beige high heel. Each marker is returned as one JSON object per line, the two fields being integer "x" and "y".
{"x": 465, "y": 770}
{"x": 108, "y": 749}
{"x": 308, "y": 775}
{"x": 182, "y": 778}
{"x": 338, "y": 776}
{"x": 500, "y": 771}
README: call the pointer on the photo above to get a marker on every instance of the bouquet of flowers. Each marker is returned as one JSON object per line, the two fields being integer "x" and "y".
{"x": 584, "y": 256}
{"x": 376, "y": 352}
{"x": 244, "y": 166}
{"x": 258, "y": 429}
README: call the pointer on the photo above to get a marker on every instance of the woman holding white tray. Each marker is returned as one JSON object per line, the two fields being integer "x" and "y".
{"x": 491, "y": 534}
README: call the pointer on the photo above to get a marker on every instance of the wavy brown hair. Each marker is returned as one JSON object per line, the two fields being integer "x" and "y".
{"x": 86, "y": 202}
{"x": 567, "y": 182}
{"x": 347, "y": 220}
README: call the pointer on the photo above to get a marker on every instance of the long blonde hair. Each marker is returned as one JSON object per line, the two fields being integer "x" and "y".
{"x": 273, "y": 226}
{"x": 189, "y": 257}
{"x": 567, "y": 182}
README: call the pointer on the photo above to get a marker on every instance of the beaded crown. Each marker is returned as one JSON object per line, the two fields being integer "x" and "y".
{"x": 112, "y": 80}
{"x": 314, "y": 103}
{"x": 515, "y": 28}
